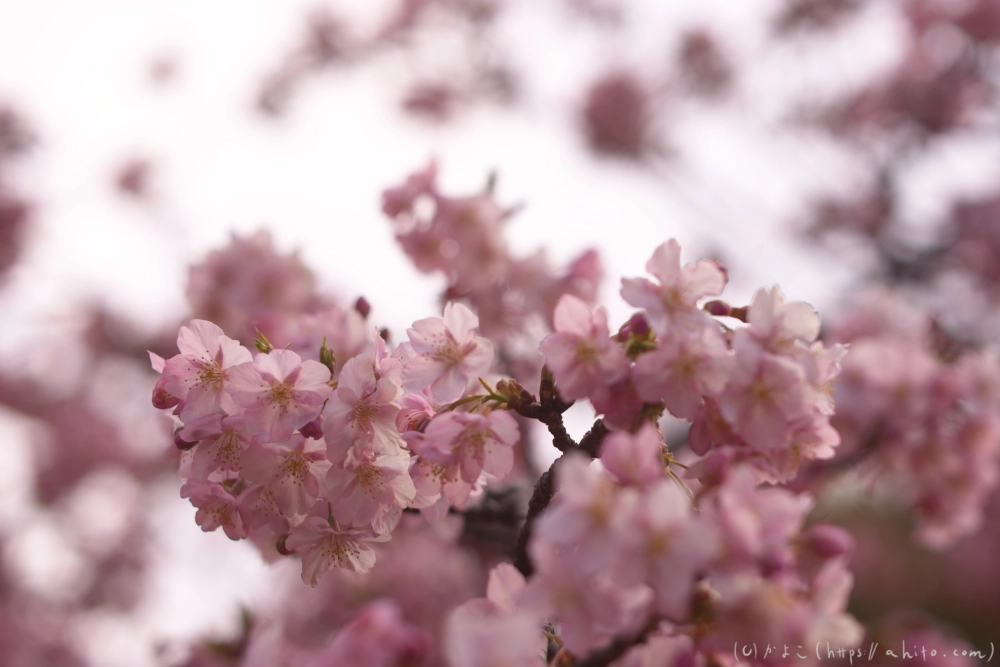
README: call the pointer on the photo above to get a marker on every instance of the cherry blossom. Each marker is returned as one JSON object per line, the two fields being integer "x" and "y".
{"x": 279, "y": 393}
{"x": 580, "y": 353}
{"x": 683, "y": 369}
{"x": 322, "y": 544}
{"x": 292, "y": 470}
{"x": 367, "y": 490}
{"x": 672, "y": 301}
{"x": 200, "y": 374}
{"x": 363, "y": 410}
{"x": 477, "y": 443}
{"x": 448, "y": 354}
{"x": 216, "y": 507}
{"x": 635, "y": 459}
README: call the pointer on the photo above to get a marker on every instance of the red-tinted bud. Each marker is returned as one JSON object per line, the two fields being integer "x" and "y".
{"x": 161, "y": 398}
{"x": 313, "y": 429}
{"x": 828, "y": 541}
{"x": 363, "y": 307}
{"x": 182, "y": 445}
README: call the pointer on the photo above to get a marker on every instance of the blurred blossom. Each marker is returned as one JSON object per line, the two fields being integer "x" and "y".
{"x": 617, "y": 114}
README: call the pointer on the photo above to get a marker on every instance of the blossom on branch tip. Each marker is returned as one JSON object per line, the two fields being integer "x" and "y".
{"x": 672, "y": 300}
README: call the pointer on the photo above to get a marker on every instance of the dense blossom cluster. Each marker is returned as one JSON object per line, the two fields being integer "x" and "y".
{"x": 322, "y": 457}
{"x": 927, "y": 417}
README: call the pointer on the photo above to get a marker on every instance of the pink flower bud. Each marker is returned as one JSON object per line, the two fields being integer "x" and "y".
{"x": 828, "y": 541}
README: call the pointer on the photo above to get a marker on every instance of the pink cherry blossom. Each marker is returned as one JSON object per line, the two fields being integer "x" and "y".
{"x": 663, "y": 545}
{"x": 635, "y": 459}
{"x": 294, "y": 471}
{"x": 216, "y": 507}
{"x": 618, "y": 403}
{"x": 365, "y": 491}
{"x": 323, "y": 545}
{"x": 584, "y": 513}
{"x": 756, "y": 525}
{"x": 581, "y": 354}
{"x": 589, "y": 607}
{"x": 473, "y": 639}
{"x": 438, "y": 484}
{"x": 363, "y": 408}
{"x": 672, "y": 301}
{"x": 683, "y": 369}
{"x": 414, "y": 408}
{"x": 478, "y": 443}
{"x": 448, "y": 353}
{"x": 777, "y": 324}
{"x": 378, "y": 636}
{"x": 767, "y": 394}
{"x": 222, "y": 441}
{"x": 200, "y": 374}
{"x": 259, "y": 511}
{"x": 280, "y": 393}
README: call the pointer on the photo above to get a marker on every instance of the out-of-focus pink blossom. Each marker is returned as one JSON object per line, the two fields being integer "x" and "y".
{"x": 378, "y": 636}
{"x": 477, "y": 443}
{"x": 635, "y": 460}
{"x": 672, "y": 300}
{"x": 581, "y": 354}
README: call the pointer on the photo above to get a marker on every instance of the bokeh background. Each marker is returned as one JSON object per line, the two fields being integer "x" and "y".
{"x": 829, "y": 146}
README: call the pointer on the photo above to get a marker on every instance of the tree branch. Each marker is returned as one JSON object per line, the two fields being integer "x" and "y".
{"x": 545, "y": 488}
{"x": 617, "y": 648}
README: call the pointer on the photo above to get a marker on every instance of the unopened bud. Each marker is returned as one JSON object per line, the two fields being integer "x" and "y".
{"x": 384, "y": 334}
{"x": 262, "y": 343}
{"x": 162, "y": 399}
{"x": 827, "y": 541}
{"x": 637, "y": 327}
{"x": 313, "y": 429}
{"x": 327, "y": 358}
{"x": 363, "y": 307}
{"x": 182, "y": 445}
{"x": 717, "y": 308}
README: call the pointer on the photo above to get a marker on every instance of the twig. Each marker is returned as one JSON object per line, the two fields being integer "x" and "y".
{"x": 617, "y": 648}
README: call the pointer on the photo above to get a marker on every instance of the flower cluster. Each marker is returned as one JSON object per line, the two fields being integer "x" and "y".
{"x": 283, "y": 454}
{"x": 761, "y": 393}
{"x": 320, "y": 451}
{"x": 621, "y": 553}
{"x": 461, "y": 237}
{"x": 929, "y": 426}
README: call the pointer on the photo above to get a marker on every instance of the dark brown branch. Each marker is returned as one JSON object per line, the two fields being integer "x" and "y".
{"x": 617, "y": 648}
{"x": 545, "y": 488}
{"x": 591, "y": 442}
{"x": 540, "y": 498}
{"x": 548, "y": 409}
